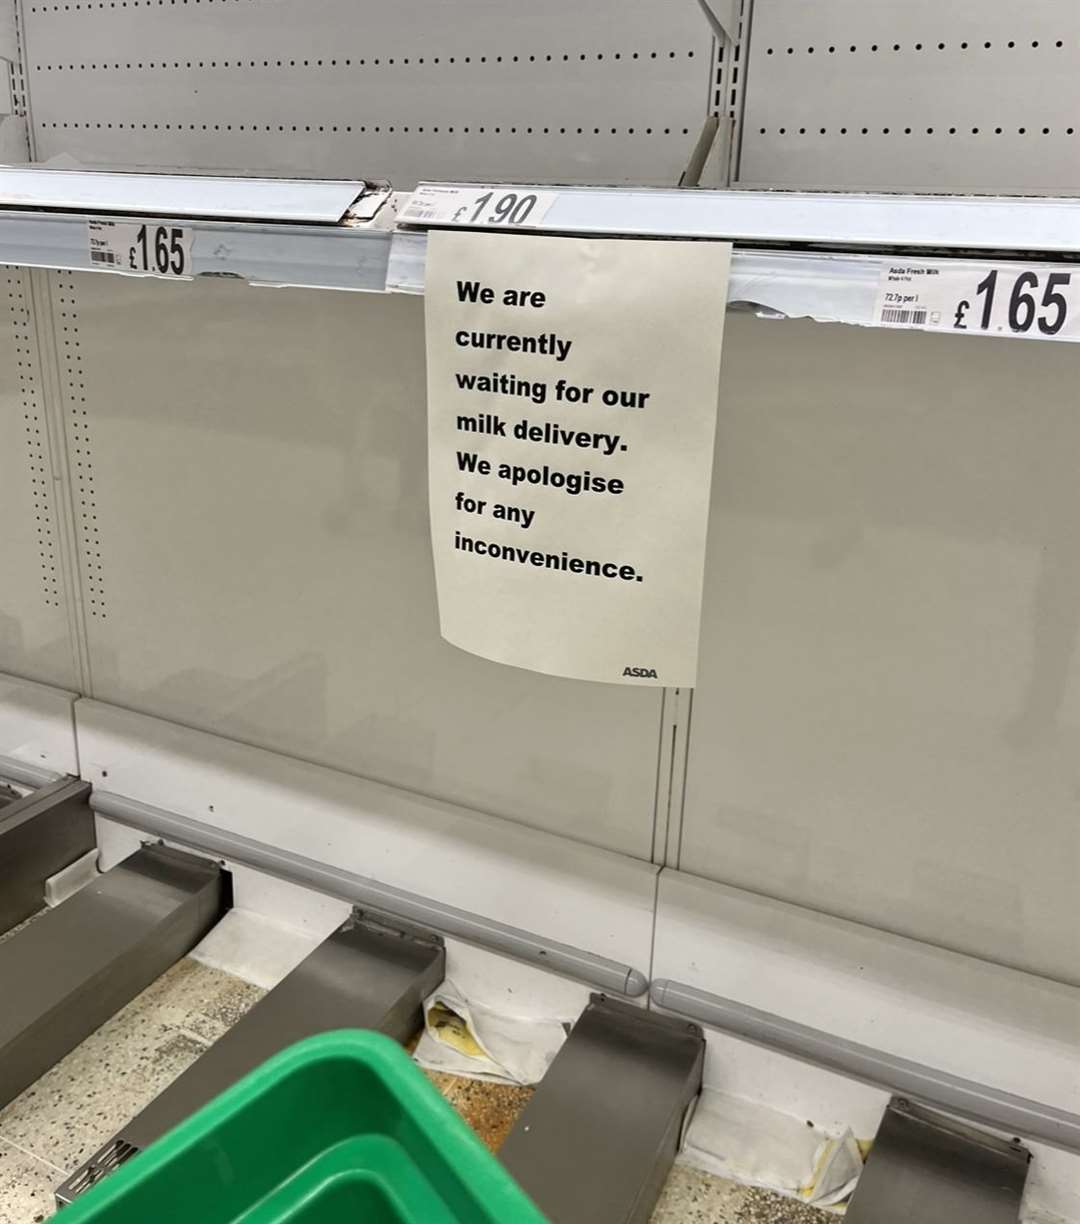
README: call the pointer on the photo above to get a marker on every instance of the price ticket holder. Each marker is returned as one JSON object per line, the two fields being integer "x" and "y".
{"x": 305, "y": 232}
{"x": 958, "y": 264}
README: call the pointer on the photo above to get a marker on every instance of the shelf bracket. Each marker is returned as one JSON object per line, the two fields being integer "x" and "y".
{"x": 76, "y": 966}
{"x": 365, "y": 975}
{"x": 723, "y": 17}
{"x": 928, "y": 1168}
{"x": 598, "y": 1140}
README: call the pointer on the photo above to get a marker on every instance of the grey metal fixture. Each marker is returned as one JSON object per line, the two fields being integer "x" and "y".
{"x": 40, "y": 834}
{"x": 977, "y": 1102}
{"x": 68, "y": 972}
{"x": 375, "y": 897}
{"x": 365, "y": 975}
{"x": 598, "y": 1140}
{"x": 927, "y": 1169}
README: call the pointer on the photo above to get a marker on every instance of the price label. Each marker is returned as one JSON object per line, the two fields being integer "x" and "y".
{"x": 140, "y": 246}
{"x": 479, "y": 206}
{"x": 1034, "y": 302}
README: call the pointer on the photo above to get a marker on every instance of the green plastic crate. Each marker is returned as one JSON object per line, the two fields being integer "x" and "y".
{"x": 340, "y": 1128}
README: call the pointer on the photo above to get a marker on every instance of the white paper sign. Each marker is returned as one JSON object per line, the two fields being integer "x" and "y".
{"x": 572, "y": 395}
{"x": 480, "y": 206}
{"x": 1027, "y": 301}
{"x": 150, "y": 247}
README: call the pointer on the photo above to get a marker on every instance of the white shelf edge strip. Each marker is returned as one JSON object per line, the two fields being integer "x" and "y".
{"x": 323, "y": 201}
{"x": 828, "y": 288}
{"x": 959, "y": 223}
{"x": 372, "y": 895}
{"x": 368, "y": 259}
{"x": 835, "y": 287}
{"x": 304, "y": 256}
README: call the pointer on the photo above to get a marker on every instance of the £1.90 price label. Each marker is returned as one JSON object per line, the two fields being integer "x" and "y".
{"x": 140, "y": 246}
{"x": 1036, "y": 302}
{"x": 479, "y": 206}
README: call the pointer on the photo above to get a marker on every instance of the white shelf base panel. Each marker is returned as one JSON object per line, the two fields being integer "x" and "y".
{"x": 1010, "y": 1030}
{"x": 37, "y": 727}
{"x": 573, "y": 894}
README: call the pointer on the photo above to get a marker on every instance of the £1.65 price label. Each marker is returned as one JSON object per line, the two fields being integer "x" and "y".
{"x": 477, "y": 206}
{"x": 149, "y": 247}
{"x": 1035, "y": 302}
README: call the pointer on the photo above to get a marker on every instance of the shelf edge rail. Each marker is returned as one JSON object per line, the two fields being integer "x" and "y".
{"x": 374, "y": 897}
{"x": 980, "y": 1103}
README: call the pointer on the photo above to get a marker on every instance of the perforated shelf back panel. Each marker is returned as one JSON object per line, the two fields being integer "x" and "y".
{"x": 34, "y": 640}
{"x": 260, "y": 484}
{"x": 913, "y": 95}
{"x": 564, "y": 91}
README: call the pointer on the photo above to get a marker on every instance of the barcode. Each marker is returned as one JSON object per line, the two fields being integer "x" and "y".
{"x": 418, "y": 213}
{"x": 105, "y": 257}
{"x": 891, "y": 314}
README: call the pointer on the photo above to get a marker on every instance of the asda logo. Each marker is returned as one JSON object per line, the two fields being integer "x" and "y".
{"x": 640, "y": 673}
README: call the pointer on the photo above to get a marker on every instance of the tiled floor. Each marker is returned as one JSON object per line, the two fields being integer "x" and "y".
{"x": 73, "y": 1109}
{"x": 691, "y": 1197}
